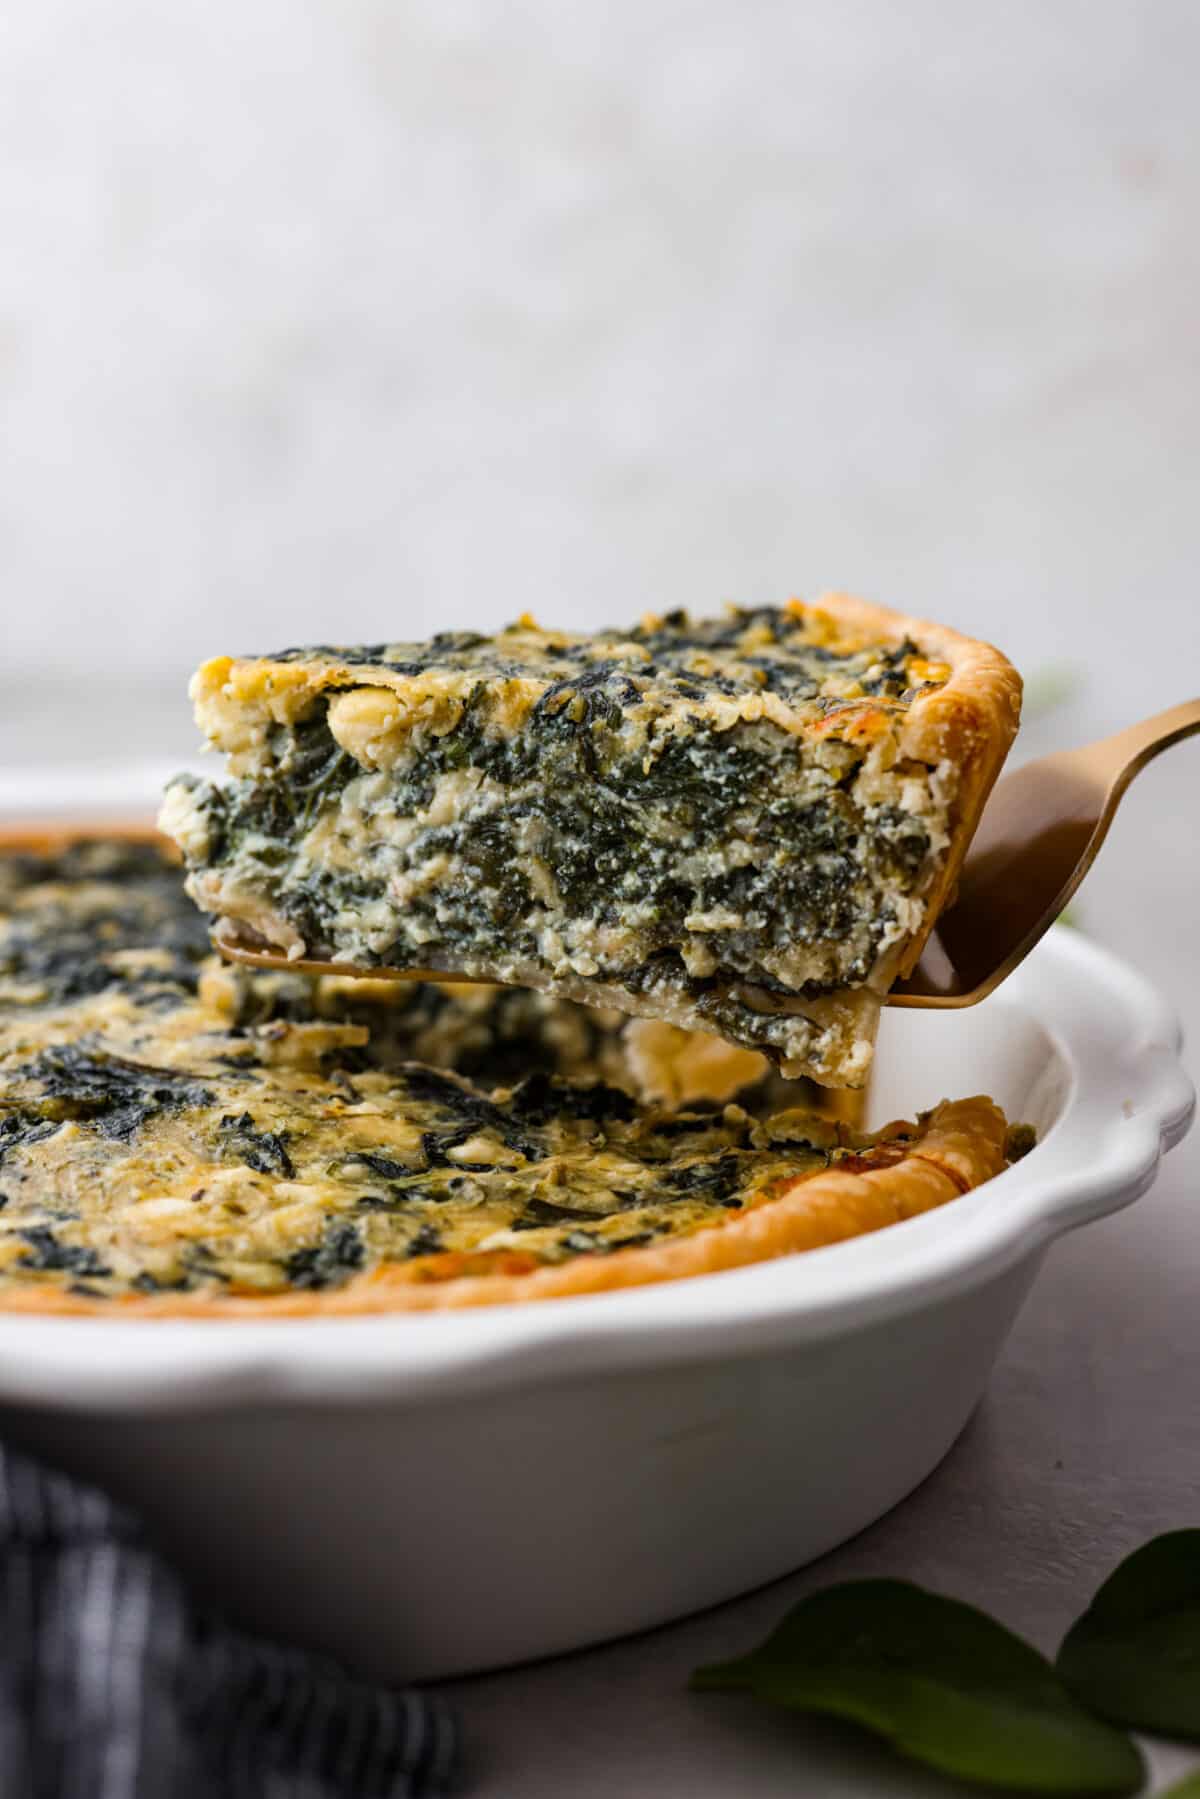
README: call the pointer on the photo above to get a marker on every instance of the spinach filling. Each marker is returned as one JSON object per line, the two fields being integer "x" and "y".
{"x": 717, "y": 826}
{"x": 340, "y": 1254}
{"x": 109, "y": 1093}
{"x": 74, "y": 919}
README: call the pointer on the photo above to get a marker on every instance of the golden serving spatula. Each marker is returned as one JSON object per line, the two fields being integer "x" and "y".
{"x": 1037, "y": 839}
{"x": 1039, "y": 834}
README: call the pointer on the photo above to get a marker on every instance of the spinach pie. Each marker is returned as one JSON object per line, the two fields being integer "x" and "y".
{"x": 743, "y": 825}
{"x": 180, "y": 1138}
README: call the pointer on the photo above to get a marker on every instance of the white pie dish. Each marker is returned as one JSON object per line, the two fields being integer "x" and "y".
{"x": 427, "y": 1495}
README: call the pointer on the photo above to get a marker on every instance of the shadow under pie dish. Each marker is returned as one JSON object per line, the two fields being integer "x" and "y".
{"x": 744, "y": 825}
{"x": 180, "y": 1137}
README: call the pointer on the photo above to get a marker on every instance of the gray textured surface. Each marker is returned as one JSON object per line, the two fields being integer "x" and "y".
{"x": 1087, "y": 1443}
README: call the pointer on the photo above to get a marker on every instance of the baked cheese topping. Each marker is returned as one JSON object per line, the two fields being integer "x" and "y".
{"x": 724, "y": 824}
{"x": 167, "y": 1125}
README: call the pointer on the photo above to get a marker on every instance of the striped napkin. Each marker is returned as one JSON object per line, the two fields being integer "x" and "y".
{"x": 113, "y": 1685}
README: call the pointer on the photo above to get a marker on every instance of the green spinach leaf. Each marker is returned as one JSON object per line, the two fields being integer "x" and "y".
{"x": 942, "y": 1682}
{"x": 1134, "y": 1656}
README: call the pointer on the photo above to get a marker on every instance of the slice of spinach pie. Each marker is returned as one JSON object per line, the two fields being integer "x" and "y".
{"x": 744, "y": 825}
{"x": 174, "y": 1142}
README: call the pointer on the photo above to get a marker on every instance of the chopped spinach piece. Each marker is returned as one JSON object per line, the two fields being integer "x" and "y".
{"x": 20, "y": 1129}
{"x": 716, "y": 1181}
{"x": 263, "y": 1151}
{"x": 426, "y": 1242}
{"x": 542, "y": 1098}
{"x": 47, "y": 1253}
{"x": 1019, "y": 1141}
{"x": 469, "y": 1113}
{"x": 340, "y": 1254}
{"x": 384, "y": 1166}
{"x": 114, "y": 1095}
{"x": 145, "y": 1282}
{"x": 538, "y": 1213}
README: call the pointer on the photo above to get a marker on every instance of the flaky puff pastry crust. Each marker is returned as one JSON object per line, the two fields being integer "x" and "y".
{"x": 970, "y": 722}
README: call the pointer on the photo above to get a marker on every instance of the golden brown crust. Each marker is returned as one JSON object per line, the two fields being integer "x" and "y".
{"x": 53, "y": 839}
{"x": 960, "y": 1145}
{"x": 969, "y": 721}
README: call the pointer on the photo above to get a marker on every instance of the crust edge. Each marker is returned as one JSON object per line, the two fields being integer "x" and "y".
{"x": 971, "y": 721}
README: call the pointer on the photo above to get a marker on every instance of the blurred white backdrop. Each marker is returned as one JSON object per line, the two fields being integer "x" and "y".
{"x": 363, "y": 318}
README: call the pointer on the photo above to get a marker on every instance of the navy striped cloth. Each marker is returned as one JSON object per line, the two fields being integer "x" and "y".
{"x": 114, "y": 1686}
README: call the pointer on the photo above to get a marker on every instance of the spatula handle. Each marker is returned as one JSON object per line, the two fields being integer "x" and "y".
{"x": 1118, "y": 758}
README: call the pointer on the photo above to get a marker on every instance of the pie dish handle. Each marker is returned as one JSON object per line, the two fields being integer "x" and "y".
{"x": 1154, "y": 1100}
{"x": 1178, "y": 1098}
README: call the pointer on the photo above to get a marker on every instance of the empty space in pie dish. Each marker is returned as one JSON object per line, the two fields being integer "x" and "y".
{"x": 1000, "y": 1047}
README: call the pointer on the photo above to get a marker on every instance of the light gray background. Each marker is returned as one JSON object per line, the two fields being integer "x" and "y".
{"x": 368, "y": 317}
{"x": 362, "y": 318}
